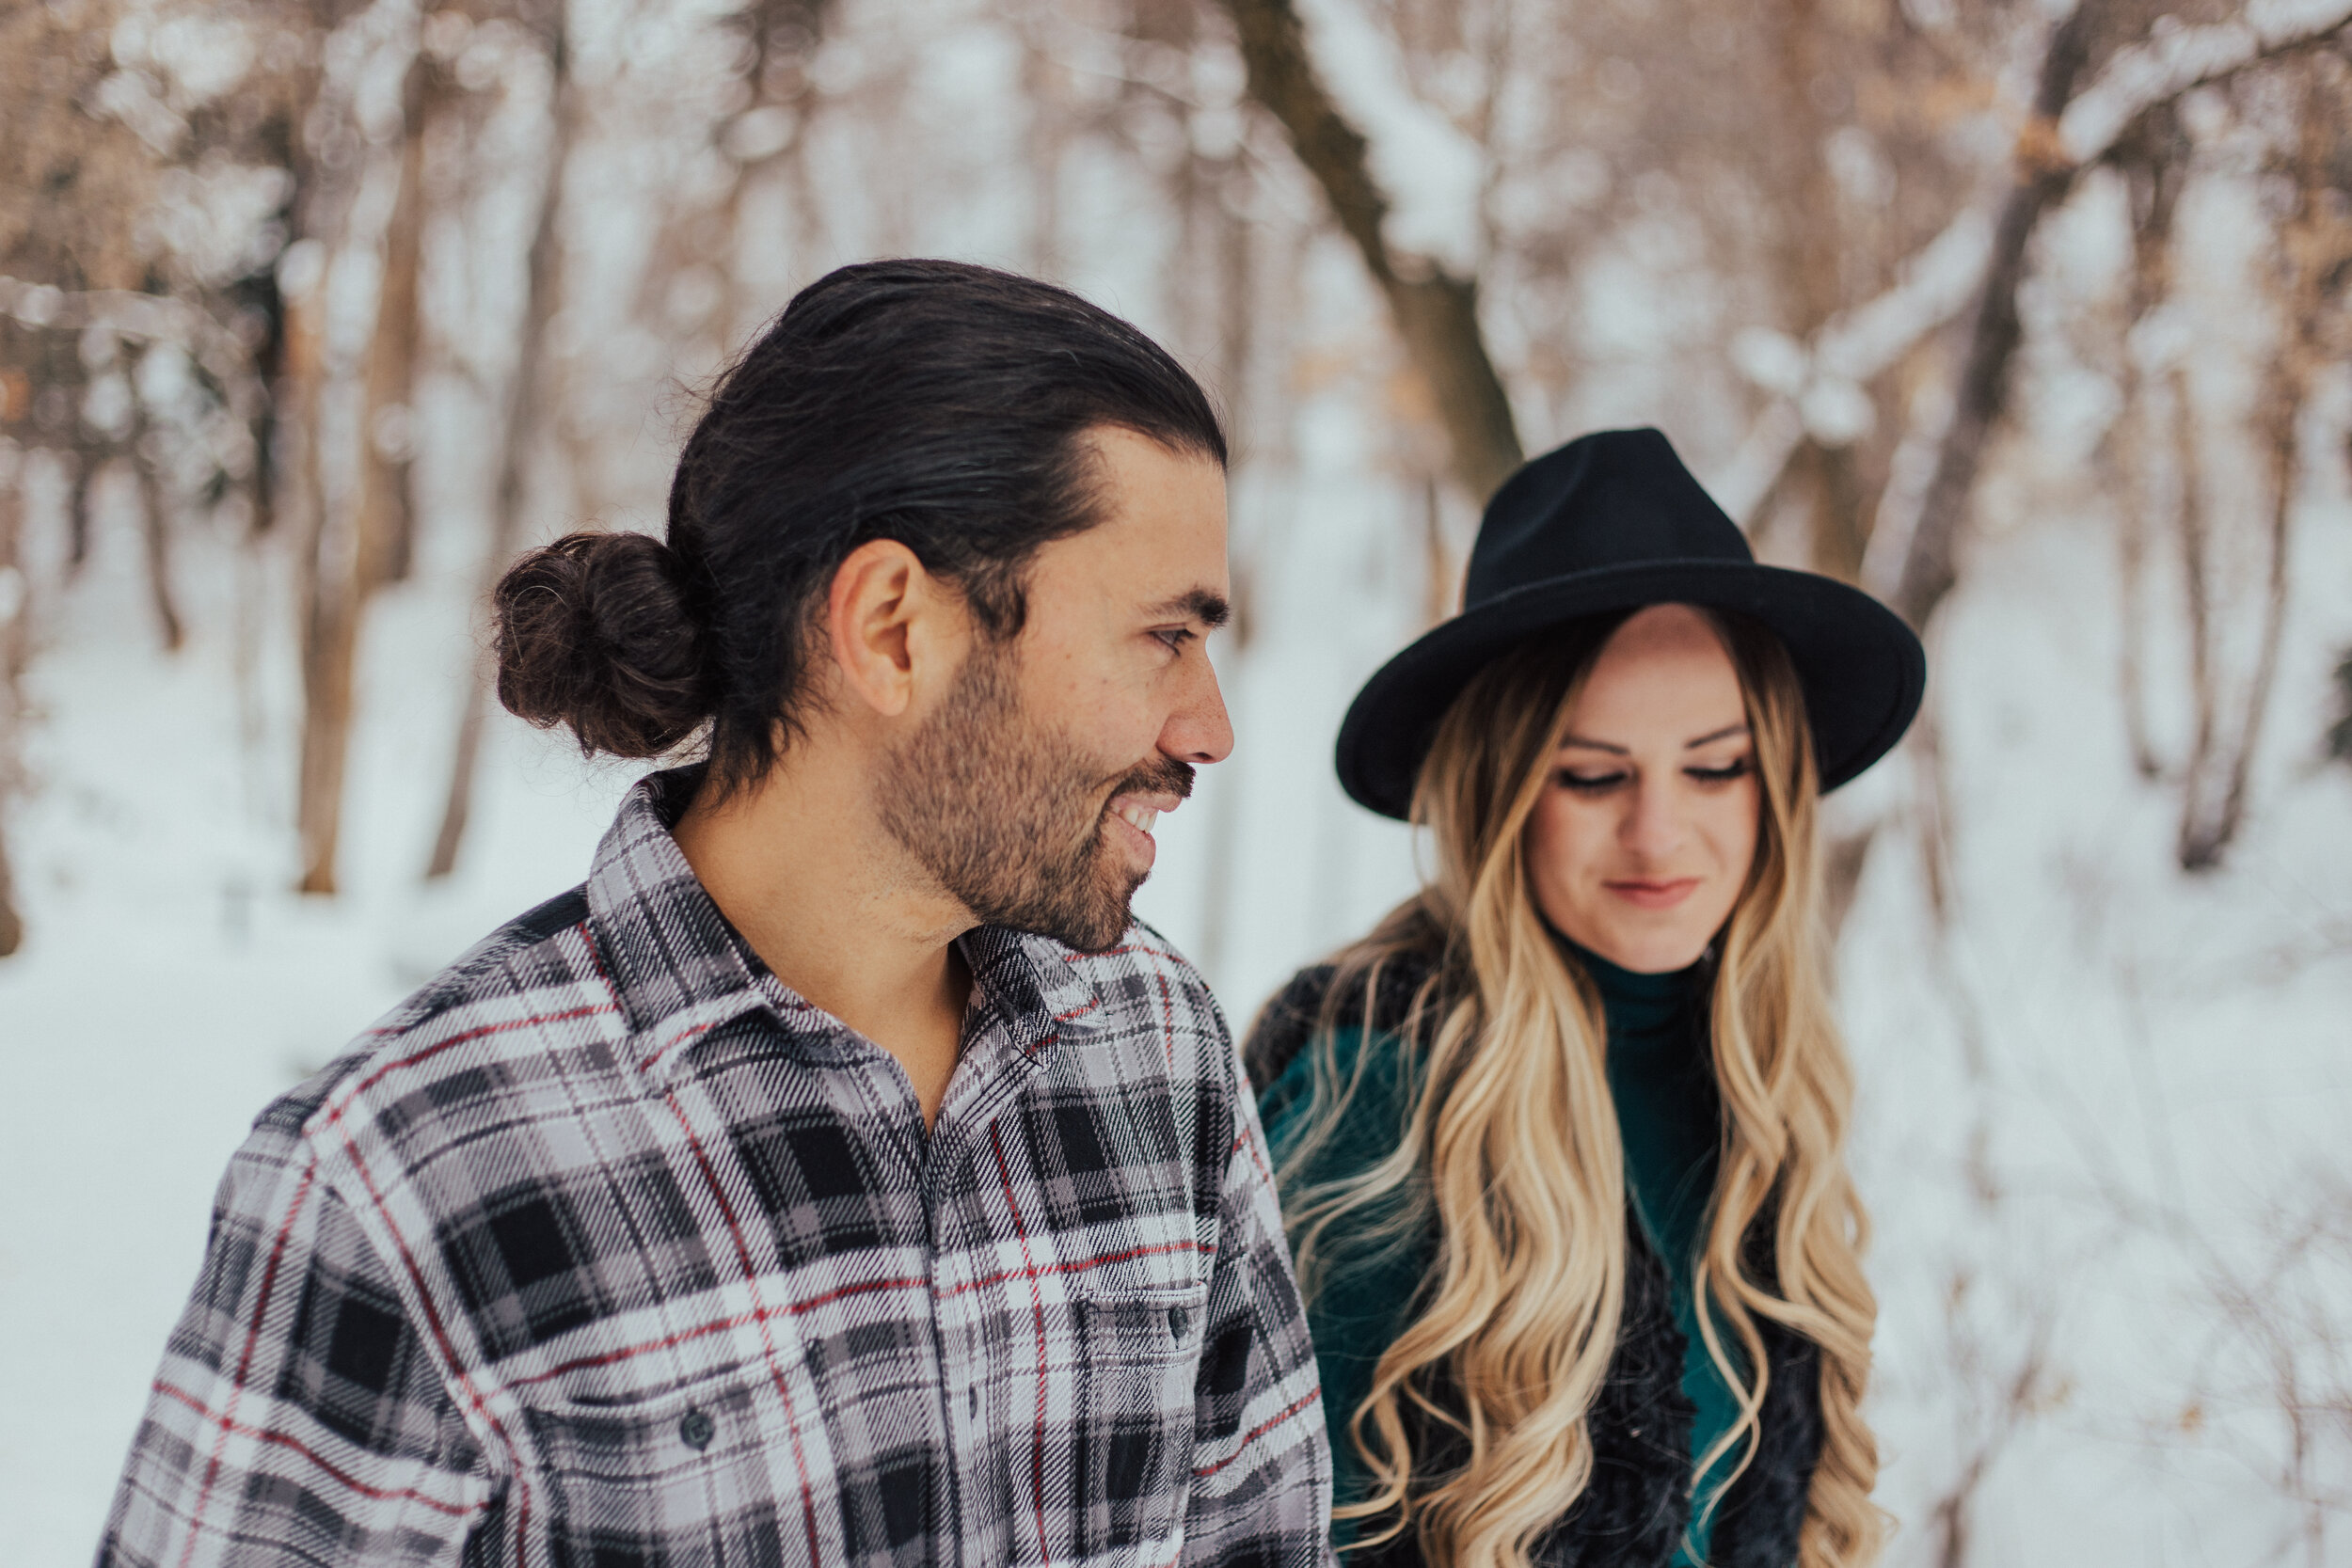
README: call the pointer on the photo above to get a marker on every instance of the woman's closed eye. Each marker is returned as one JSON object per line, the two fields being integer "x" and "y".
{"x": 1584, "y": 782}
{"x": 1592, "y": 783}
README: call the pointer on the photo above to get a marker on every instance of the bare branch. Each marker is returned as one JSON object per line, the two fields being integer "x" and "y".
{"x": 153, "y": 318}
{"x": 1435, "y": 313}
{"x": 526, "y": 397}
{"x": 1931, "y": 562}
{"x": 2176, "y": 60}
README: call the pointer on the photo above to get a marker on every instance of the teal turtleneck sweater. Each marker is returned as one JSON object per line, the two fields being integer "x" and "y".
{"x": 1662, "y": 1083}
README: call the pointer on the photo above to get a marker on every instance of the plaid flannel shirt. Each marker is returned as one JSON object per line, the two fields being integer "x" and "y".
{"x": 605, "y": 1248}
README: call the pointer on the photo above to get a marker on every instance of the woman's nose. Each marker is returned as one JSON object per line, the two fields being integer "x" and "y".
{"x": 1653, "y": 828}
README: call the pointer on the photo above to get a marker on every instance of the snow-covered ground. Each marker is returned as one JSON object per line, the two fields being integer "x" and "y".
{"x": 2101, "y": 1099}
{"x": 2091, "y": 1102}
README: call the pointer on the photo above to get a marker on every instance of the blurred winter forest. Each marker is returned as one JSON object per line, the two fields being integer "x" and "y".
{"x": 2033, "y": 320}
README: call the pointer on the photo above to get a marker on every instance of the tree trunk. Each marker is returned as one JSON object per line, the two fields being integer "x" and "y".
{"x": 525, "y": 397}
{"x": 385, "y": 463}
{"x": 155, "y": 523}
{"x": 1932, "y": 562}
{"x": 15, "y": 616}
{"x": 1435, "y": 313}
{"x": 356, "y": 547}
{"x": 326, "y": 699}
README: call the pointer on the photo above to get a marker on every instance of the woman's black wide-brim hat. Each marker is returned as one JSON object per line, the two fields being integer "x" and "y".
{"x": 1613, "y": 521}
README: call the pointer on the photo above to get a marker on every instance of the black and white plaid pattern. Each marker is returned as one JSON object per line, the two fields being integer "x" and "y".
{"x": 606, "y": 1249}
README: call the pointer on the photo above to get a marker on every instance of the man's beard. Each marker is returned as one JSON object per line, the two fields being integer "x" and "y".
{"x": 1010, "y": 816}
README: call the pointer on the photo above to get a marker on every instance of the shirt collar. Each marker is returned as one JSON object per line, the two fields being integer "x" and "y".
{"x": 680, "y": 970}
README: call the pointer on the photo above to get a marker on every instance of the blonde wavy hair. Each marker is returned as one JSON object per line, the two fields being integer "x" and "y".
{"x": 1510, "y": 1143}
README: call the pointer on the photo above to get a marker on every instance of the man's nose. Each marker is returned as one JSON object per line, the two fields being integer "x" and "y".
{"x": 1198, "y": 731}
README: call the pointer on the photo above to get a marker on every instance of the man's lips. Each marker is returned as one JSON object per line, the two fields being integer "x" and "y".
{"x": 1661, "y": 892}
{"x": 1140, "y": 812}
{"x": 1130, "y": 819}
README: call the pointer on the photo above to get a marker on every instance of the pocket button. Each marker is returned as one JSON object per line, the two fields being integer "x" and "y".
{"x": 696, "y": 1430}
{"x": 1176, "y": 1323}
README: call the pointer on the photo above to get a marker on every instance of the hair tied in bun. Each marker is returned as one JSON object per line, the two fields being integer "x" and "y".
{"x": 597, "y": 632}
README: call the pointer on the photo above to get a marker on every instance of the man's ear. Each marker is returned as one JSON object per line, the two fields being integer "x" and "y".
{"x": 888, "y": 621}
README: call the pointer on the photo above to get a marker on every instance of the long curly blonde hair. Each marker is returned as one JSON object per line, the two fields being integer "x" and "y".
{"x": 1510, "y": 1148}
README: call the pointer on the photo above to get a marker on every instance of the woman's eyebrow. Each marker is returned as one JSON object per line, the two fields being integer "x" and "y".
{"x": 1726, "y": 733}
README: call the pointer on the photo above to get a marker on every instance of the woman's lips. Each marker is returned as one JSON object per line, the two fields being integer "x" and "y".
{"x": 1661, "y": 894}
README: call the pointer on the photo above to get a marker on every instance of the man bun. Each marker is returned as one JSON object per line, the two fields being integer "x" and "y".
{"x": 599, "y": 632}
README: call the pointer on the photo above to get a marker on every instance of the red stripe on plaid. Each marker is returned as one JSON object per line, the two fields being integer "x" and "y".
{"x": 1259, "y": 1431}
{"x": 681, "y": 1043}
{"x": 751, "y": 1282}
{"x": 826, "y": 1298}
{"x": 1037, "y": 1301}
{"x": 278, "y": 1439}
{"x": 1167, "y": 1020}
{"x": 1257, "y": 1156}
{"x": 1120, "y": 951}
{"x": 344, "y": 1098}
{"x": 721, "y": 1325}
{"x": 432, "y": 1313}
{"x": 244, "y": 1361}
{"x": 1033, "y": 1272}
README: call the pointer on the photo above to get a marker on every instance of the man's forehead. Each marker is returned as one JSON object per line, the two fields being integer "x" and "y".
{"x": 1157, "y": 548}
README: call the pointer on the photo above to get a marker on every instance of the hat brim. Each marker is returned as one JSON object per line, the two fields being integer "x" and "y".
{"x": 1862, "y": 669}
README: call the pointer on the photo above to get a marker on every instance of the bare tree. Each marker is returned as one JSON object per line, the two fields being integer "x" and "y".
{"x": 526, "y": 396}
{"x": 1436, "y": 313}
{"x": 15, "y": 648}
{"x": 353, "y": 502}
{"x": 101, "y": 139}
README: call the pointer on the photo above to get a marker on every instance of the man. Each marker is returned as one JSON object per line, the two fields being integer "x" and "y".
{"x": 839, "y": 1175}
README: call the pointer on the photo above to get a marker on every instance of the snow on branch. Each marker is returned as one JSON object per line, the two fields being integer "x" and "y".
{"x": 1428, "y": 168}
{"x": 1819, "y": 388}
{"x": 1934, "y": 285}
{"x": 157, "y": 318}
{"x": 2176, "y": 60}
{"x": 1434, "y": 309}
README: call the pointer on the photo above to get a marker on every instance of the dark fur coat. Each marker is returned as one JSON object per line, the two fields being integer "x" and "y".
{"x": 1632, "y": 1512}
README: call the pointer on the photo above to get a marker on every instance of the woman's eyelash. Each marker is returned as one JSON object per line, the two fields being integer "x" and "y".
{"x": 1599, "y": 783}
{"x": 1590, "y": 785}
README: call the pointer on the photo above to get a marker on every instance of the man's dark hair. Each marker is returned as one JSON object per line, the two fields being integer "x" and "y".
{"x": 934, "y": 403}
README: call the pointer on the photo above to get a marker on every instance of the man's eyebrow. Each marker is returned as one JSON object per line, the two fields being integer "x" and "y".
{"x": 1204, "y": 605}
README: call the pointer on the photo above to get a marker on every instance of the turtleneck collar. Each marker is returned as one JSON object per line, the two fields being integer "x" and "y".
{"x": 1638, "y": 1007}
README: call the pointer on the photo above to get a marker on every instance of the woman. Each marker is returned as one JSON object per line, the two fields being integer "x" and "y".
{"x": 1562, "y": 1139}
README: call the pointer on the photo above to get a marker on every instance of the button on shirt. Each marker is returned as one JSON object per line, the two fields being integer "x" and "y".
{"x": 606, "y": 1249}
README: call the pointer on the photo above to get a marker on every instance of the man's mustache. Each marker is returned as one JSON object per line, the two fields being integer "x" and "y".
{"x": 1160, "y": 776}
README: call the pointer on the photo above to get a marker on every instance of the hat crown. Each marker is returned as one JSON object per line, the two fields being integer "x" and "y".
{"x": 1614, "y": 497}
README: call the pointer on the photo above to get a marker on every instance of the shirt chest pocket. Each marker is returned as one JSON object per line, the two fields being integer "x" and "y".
{"x": 1139, "y": 1358}
{"x": 716, "y": 1471}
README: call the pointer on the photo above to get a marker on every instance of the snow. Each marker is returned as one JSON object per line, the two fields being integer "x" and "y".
{"x": 1431, "y": 170}
{"x": 2100, "y": 1099}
